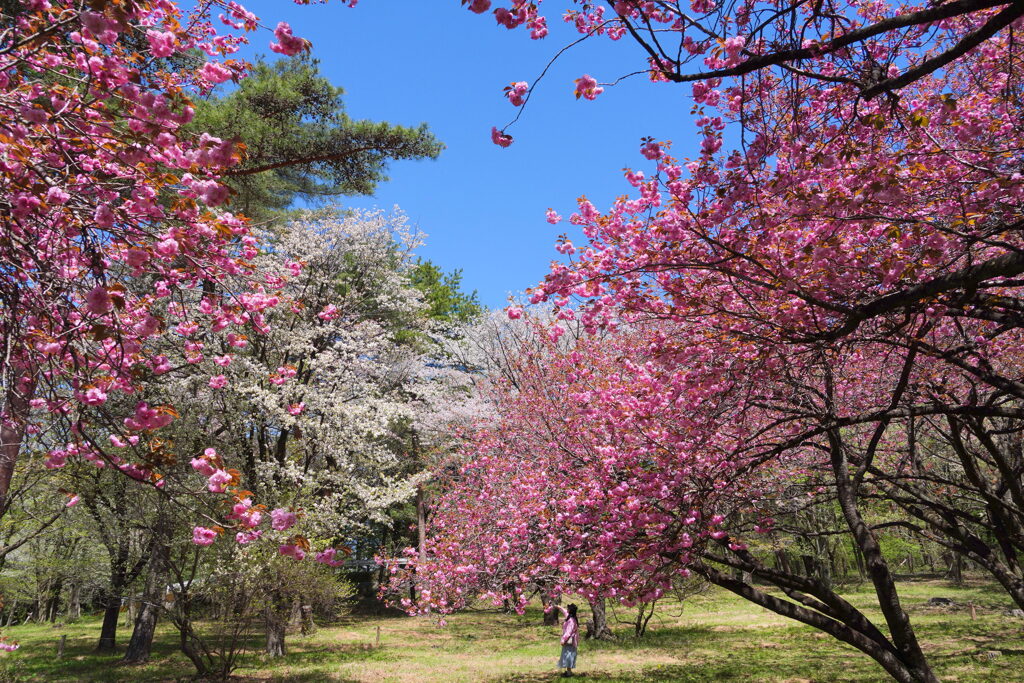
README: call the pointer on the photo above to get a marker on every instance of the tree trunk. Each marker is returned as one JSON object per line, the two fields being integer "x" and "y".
{"x": 599, "y": 622}
{"x": 643, "y": 617}
{"x": 550, "y": 615}
{"x": 132, "y": 611}
{"x": 308, "y": 625}
{"x": 421, "y": 522}
{"x": 507, "y": 606}
{"x": 958, "y": 569}
{"x": 108, "y": 632}
{"x": 868, "y": 643}
{"x": 53, "y": 605}
{"x": 900, "y": 629}
{"x": 12, "y": 431}
{"x": 295, "y": 616}
{"x": 275, "y": 632}
{"x": 191, "y": 646}
{"x": 141, "y": 644}
{"x": 858, "y": 557}
{"x": 75, "y": 603}
{"x": 782, "y": 560}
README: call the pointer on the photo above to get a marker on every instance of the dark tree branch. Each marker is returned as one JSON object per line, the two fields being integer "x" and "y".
{"x": 301, "y": 161}
{"x": 972, "y": 40}
{"x": 925, "y": 16}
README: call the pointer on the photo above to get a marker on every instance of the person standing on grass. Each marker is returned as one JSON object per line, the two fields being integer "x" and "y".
{"x": 570, "y": 639}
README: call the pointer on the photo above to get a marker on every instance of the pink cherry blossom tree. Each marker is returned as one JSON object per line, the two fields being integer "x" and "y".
{"x": 110, "y": 212}
{"x": 853, "y": 263}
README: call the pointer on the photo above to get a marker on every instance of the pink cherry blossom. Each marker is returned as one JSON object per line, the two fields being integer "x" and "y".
{"x": 282, "y": 519}
{"x": 516, "y": 93}
{"x": 203, "y": 536}
{"x": 246, "y": 537}
{"x": 499, "y": 138}
{"x": 292, "y": 550}
{"x": 167, "y": 248}
{"x": 287, "y": 44}
{"x": 161, "y": 43}
{"x": 587, "y": 88}
{"x": 329, "y": 557}
{"x": 215, "y": 72}
{"x": 218, "y": 481}
{"x": 98, "y": 300}
{"x": 94, "y": 396}
{"x": 330, "y": 312}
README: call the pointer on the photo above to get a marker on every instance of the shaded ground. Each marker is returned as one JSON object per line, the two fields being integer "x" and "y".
{"x": 714, "y": 637}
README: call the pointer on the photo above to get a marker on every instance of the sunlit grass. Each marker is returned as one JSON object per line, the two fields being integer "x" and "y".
{"x": 713, "y": 637}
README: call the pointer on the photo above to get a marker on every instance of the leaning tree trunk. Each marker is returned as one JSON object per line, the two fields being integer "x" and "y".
{"x": 191, "y": 645}
{"x": 598, "y": 627}
{"x": 141, "y": 644}
{"x": 900, "y": 629}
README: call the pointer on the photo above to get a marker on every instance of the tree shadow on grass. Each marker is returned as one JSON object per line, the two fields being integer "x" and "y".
{"x": 675, "y": 673}
{"x": 309, "y": 677}
{"x": 671, "y": 638}
{"x": 338, "y": 653}
{"x": 548, "y": 677}
{"x": 671, "y": 673}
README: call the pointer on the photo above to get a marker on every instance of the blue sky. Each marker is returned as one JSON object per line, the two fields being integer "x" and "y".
{"x": 482, "y": 207}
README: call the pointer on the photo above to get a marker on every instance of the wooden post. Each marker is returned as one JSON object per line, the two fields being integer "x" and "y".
{"x": 378, "y": 636}
{"x": 60, "y": 647}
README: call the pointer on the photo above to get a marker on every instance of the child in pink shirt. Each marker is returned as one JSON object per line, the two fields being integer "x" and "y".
{"x": 570, "y": 639}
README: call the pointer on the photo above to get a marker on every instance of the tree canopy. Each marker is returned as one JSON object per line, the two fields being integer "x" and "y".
{"x": 299, "y": 142}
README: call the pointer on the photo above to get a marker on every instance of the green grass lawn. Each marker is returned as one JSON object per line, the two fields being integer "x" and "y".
{"x": 713, "y": 637}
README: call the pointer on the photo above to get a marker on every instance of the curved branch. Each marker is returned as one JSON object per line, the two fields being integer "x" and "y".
{"x": 944, "y": 11}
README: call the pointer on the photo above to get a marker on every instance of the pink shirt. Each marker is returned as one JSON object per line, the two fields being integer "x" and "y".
{"x": 570, "y": 632}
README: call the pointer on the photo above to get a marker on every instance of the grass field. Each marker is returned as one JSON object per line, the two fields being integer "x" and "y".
{"x": 713, "y": 637}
